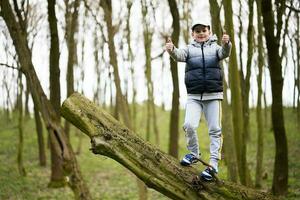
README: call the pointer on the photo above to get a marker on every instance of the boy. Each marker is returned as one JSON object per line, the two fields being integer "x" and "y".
{"x": 204, "y": 84}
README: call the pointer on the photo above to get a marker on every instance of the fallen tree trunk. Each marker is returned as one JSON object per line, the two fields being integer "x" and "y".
{"x": 157, "y": 169}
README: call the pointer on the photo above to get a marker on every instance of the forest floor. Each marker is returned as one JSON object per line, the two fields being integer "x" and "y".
{"x": 106, "y": 178}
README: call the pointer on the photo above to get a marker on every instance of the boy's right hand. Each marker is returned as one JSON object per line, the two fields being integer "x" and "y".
{"x": 169, "y": 45}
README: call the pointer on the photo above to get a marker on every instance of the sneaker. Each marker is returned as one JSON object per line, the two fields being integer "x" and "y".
{"x": 188, "y": 159}
{"x": 208, "y": 173}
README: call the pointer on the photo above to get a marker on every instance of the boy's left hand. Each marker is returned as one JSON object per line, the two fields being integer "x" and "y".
{"x": 225, "y": 38}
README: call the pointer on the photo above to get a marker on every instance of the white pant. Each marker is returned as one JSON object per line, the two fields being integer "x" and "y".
{"x": 212, "y": 112}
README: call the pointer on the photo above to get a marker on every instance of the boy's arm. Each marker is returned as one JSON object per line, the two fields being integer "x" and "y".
{"x": 224, "y": 51}
{"x": 179, "y": 55}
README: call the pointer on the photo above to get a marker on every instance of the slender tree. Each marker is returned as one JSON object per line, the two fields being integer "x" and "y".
{"x": 240, "y": 36}
{"x": 174, "y": 120}
{"x": 21, "y": 167}
{"x": 131, "y": 59}
{"x": 280, "y": 176}
{"x": 236, "y": 98}
{"x": 40, "y": 136}
{"x": 297, "y": 82}
{"x": 229, "y": 150}
{"x": 187, "y": 6}
{"x": 148, "y": 34}
{"x": 26, "y": 107}
{"x": 57, "y": 176}
{"x": 259, "y": 115}
{"x": 246, "y": 90}
{"x": 111, "y": 30}
{"x": 71, "y": 29}
{"x": 54, "y": 57}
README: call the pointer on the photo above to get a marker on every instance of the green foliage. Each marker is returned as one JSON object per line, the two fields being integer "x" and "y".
{"x": 109, "y": 180}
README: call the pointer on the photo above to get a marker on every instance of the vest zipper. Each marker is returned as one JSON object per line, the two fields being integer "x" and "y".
{"x": 203, "y": 68}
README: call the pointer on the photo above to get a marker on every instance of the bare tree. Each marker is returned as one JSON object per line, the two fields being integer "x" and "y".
{"x": 71, "y": 29}
{"x": 259, "y": 116}
{"x": 21, "y": 167}
{"x": 111, "y": 30}
{"x": 229, "y": 150}
{"x": 280, "y": 176}
{"x": 57, "y": 176}
{"x": 62, "y": 145}
{"x": 131, "y": 58}
{"x": 148, "y": 34}
{"x": 245, "y": 91}
{"x": 174, "y": 120}
{"x": 236, "y": 98}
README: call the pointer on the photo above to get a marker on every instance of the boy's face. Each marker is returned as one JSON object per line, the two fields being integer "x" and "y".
{"x": 201, "y": 33}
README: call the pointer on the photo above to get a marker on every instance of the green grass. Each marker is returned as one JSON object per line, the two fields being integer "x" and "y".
{"x": 109, "y": 180}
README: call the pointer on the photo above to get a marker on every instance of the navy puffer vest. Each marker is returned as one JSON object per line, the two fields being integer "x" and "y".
{"x": 203, "y": 73}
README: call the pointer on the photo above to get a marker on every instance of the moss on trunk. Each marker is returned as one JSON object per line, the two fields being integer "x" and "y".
{"x": 157, "y": 169}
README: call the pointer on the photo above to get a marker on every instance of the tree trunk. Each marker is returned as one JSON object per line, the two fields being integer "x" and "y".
{"x": 245, "y": 92}
{"x": 236, "y": 98}
{"x": 229, "y": 150}
{"x": 174, "y": 131}
{"x": 62, "y": 145}
{"x": 20, "y": 127}
{"x": 8, "y": 99}
{"x": 240, "y": 33}
{"x": 71, "y": 28}
{"x": 298, "y": 67}
{"x": 97, "y": 45}
{"x": 54, "y": 58}
{"x": 57, "y": 177}
{"x": 157, "y": 169}
{"x": 120, "y": 99}
{"x": 26, "y": 107}
{"x": 131, "y": 59}
{"x": 259, "y": 115}
{"x": 39, "y": 131}
{"x": 151, "y": 113}
{"x": 187, "y": 19}
{"x": 280, "y": 176}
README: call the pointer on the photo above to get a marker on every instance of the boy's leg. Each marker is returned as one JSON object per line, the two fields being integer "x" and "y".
{"x": 191, "y": 123}
{"x": 212, "y": 110}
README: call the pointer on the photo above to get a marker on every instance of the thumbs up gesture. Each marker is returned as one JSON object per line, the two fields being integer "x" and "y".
{"x": 225, "y": 38}
{"x": 169, "y": 45}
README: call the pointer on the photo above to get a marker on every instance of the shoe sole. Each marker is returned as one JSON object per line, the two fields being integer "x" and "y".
{"x": 185, "y": 162}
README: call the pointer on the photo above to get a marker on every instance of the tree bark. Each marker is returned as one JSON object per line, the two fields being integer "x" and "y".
{"x": 187, "y": 18}
{"x": 62, "y": 145}
{"x": 151, "y": 113}
{"x": 236, "y": 97}
{"x": 120, "y": 99}
{"x": 245, "y": 92}
{"x": 26, "y": 107}
{"x": 259, "y": 115}
{"x": 280, "y": 176}
{"x": 297, "y": 82}
{"x": 57, "y": 176}
{"x": 21, "y": 167}
{"x": 229, "y": 150}
{"x": 132, "y": 71}
{"x": 157, "y": 169}
{"x": 54, "y": 58}
{"x": 39, "y": 131}
{"x": 71, "y": 27}
{"x": 174, "y": 131}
